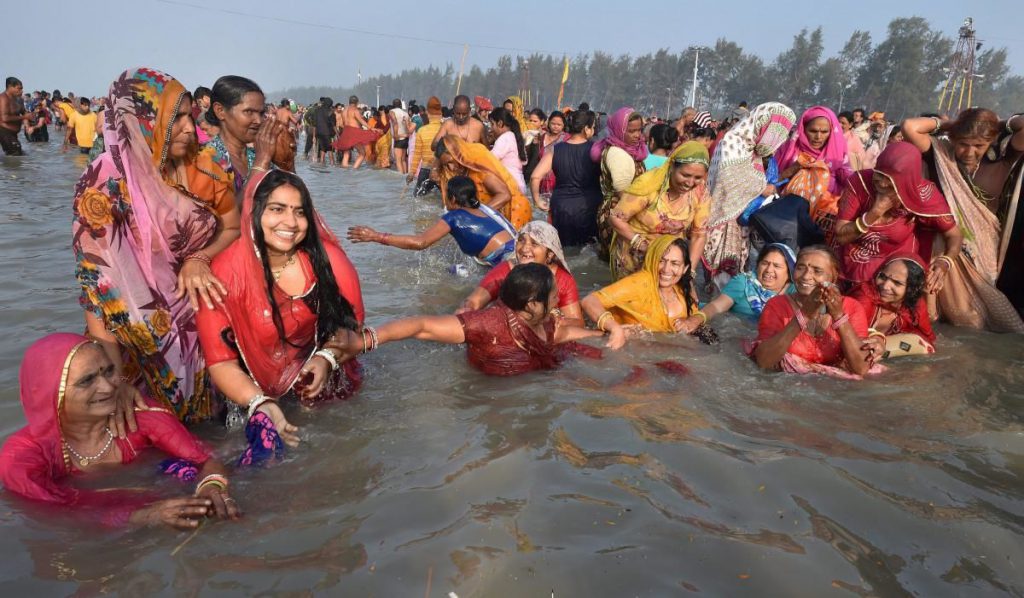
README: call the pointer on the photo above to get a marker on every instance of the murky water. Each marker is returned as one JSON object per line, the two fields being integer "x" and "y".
{"x": 595, "y": 480}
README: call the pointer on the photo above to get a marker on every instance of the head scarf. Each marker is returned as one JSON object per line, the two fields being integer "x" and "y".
{"x": 546, "y": 236}
{"x": 479, "y": 161}
{"x": 833, "y": 153}
{"x": 483, "y": 103}
{"x": 275, "y": 366}
{"x": 756, "y": 293}
{"x": 131, "y": 232}
{"x": 517, "y": 111}
{"x": 877, "y": 116}
{"x": 703, "y": 119}
{"x": 653, "y": 183}
{"x": 737, "y": 172}
{"x": 637, "y": 295}
{"x": 901, "y": 162}
{"x": 617, "y": 124}
{"x": 884, "y": 139}
{"x": 913, "y": 319}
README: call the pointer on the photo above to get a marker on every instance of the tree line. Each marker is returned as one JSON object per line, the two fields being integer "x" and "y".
{"x": 901, "y": 75}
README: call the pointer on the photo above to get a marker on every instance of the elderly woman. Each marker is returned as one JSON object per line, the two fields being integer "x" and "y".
{"x": 494, "y": 184}
{"x": 658, "y": 298}
{"x": 481, "y": 233}
{"x": 669, "y": 200}
{"x": 514, "y": 336}
{"x": 893, "y": 209}
{"x": 290, "y": 286}
{"x": 150, "y": 214}
{"x": 985, "y": 207}
{"x": 68, "y": 387}
{"x": 537, "y": 243}
{"x": 245, "y": 141}
{"x": 816, "y": 329}
{"x": 737, "y": 177}
{"x": 621, "y": 155}
{"x": 747, "y": 293}
{"x": 895, "y": 307}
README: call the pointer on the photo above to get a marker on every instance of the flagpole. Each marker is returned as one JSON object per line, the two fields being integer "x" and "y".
{"x": 561, "y": 88}
{"x": 462, "y": 65}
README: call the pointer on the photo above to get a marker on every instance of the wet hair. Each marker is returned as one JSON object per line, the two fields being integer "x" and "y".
{"x": 462, "y": 191}
{"x": 579, "y": 120}
{"x": 13, "y": 82}
{"x": 325, "y": 300}
{"x": 916, "y": 279}
{"x": 825, "y": 249}
{"x": 501, "y": 115}
{"x": 663, "y": 136}
{"x": 768, "y": 250}
{"x": 229, "y": 91}
{"x": 201, "y": 92}
{"x": 538, "y": 113}
{"x": 847, "y": 115}
{"x": 526, "y": 283}
{"x": 974, "y": 122}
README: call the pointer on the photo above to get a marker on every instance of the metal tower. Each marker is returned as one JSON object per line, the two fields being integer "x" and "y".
{"x": 961, "y": 71}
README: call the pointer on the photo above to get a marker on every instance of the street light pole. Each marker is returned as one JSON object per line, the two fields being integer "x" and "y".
{"x": 378, "y": 95}
{"x": 668, "y": 103}
{"x": 693, "y": 90}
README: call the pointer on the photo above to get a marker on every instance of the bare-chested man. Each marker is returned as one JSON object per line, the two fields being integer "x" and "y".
{"x": 12, "y": 115}
{"x": 461, "y": 124}
{"x": 688, "y": 114}
{"x": 401, "y": 127}
{"x": 355, "y": 133}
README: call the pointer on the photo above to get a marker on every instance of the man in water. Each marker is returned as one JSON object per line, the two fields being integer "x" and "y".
{"x": 12, "y": 115}
{"x": 355, "y": 133}
{"x": 325, "y": 126}
{"x": 401, "y": 126}
{"x": 469, "y": 129}
{"x": 83, "y": 124}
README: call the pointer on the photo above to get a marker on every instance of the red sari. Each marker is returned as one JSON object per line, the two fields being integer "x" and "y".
{"x": 499, "y": 343}
{"x": 34, "y": 462}
{"x": 913, "y": 321}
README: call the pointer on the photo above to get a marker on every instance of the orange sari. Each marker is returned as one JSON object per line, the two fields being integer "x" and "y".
{"x": 480, "y": 162}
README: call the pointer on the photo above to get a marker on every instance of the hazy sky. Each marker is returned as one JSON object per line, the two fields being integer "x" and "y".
{"x": 196, "y": 45}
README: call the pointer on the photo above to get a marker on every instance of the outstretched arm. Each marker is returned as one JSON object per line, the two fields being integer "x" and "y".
{"x": 365, "y": 234}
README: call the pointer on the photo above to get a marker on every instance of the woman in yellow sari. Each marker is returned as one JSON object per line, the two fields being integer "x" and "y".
{"x": 514, "y": 104}
{"x": 382, "y": 148}
{"x": 494, "y": 185}
{"x": 672, "y": 199}
{"x": 658, "y": 298}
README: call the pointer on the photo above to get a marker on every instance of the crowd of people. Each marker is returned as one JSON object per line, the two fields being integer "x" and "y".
{"x": 212, "y": 288}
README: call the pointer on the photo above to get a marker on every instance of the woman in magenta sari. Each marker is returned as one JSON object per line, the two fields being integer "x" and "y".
{"x": 891, "y": 209}
{"x": 68, "y": 387}
{"x": 290, "y": 286}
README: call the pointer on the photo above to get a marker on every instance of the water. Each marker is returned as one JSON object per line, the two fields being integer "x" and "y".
{"x": 577, "y": 482}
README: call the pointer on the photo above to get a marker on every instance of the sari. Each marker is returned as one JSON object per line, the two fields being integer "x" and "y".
{"x": 906, "y": 320}
{"x": 518, "y": 112}
{"x": 969, "y": 296}
{"x": 382, "y": 148}
{"x": 133, "y": 229}
{"x": 222, "y": 157}
{"x": 736, "y": 177}
{"x": 35, "y": 463}
{"x": 923, "y": 211}
{"x": 500, "y": 343}
{"x": 479, "y": 162}
{"x": 635, "y": 299}
{"x": 617, "y": 174}
{"x": 645, "y": 207}
{"x": 243, "y": 329}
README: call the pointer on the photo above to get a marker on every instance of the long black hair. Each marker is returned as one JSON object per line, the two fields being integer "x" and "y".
{"x": 501, "y": 115}
{"x": 462, "y": 191}
{"x": 686, "y": 281}
{"x": 526, "y": 283}
{"x": 663, "y": 136}
{"x": 916, "y": 280}
{"x": 332, "y": 309}
{"x": 228, "y": 91}
{"x": 579, "y": 120}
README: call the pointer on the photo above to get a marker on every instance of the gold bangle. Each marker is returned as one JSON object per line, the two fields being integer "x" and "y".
{"x": 703, "y": 316}
{"x": 258, "y": 169}
{"x": 860, "y": 227}
{"x": 944, "y": 258}
{"x": 601, "y": 318}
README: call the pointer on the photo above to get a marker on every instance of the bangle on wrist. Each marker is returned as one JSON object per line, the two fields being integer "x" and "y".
{"x": 328, "y": 356}
{"x": 258, "y": 169}
{"x": 840, "y": 321}
{"x": 254, "y": 404}
{"x": 384, "y": 238}
{"x": 703, "y": 316}
{"x": 200, "y": 257}
{"x": 943, "y": 258}
{"x": 601, "y": 320}
{"x": 214, "y": 479}
{"x": 938, "y": 124}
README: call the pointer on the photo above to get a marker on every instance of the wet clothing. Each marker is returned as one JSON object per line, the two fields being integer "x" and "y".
{"x": 577, "y": 193}
{"x": 568, "y": 293}
{"x": 473, "y": 232}
{"x": 10, "y": 143}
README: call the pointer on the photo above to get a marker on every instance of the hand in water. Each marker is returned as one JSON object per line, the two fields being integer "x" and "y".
{"x": 288, "y": 433}
{"x": 179, "y": 513}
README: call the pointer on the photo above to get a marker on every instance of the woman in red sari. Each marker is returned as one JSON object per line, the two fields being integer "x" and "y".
{"x": 816, "y": 329}
{"x": 894, "y": 304}
{"x": 67, "y": 387}
{"x": 514, "y": 336}
{"x": 891, "y": 209}
{"x": 290, "y": 286}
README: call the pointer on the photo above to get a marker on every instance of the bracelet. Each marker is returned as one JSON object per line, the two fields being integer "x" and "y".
{"x": 839, "y": 322}
{"x": 329, "y": 356}
{"x": 703, "y": 316}
{"x": 938, "y": 124}
{"x": 214, "y": 479}
{"x": 362, "y": 335}
{"x": 635, "y": 241}
{"x": 254, "y": 403}
{"x": 374, "y": 341}
{"x": 860, "y": 227}
{"x": 944, "y": 258}
{"x": 801, "y": 320}
{"x": 601, "y": 318}
{"x": 200, "y": 256}
{"x": 384, "y": 238}
{"x": 864, "y": 222}
{"x": 258, "y": 169}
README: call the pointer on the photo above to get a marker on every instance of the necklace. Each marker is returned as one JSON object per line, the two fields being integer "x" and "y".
{"x": 85, "y": 461}
{"x": 277, "y": 273}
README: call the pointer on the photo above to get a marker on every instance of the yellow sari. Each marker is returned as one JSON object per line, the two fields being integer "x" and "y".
{"x": 518, "y": 111}
{"x": 635, "y": 299}
{"x": 479, "y": 162}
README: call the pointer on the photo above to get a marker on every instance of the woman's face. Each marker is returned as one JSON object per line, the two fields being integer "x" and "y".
{"x": 538, "y": 311}
{"x": 284, "y": 221}
{"x": 529, "y": 251}
{"x": 534, "y": 121}
{"x": 845, "y": 124}
{"x": 588, "y": 131}
{"x": 183, "y": 132}
{"x": 891, "y": 282}
{"x": 812, "y": 269}
{"x": 556, "y": 125}
{"x": 884, "y": 187}
{"x": 243, "y": 120}
{"x": 498, "y": 127}
{"x": 818, "y": 131}
{"x": 634, "y": 129}
{"x": 508, "y": 105}
{"x": 672, "y": 267}
{"x": 687, "y": 176}
{"x": 896, "y": 136}
{"x": 91, "y": 384}
{"x": 772, "y": 271}
{"x": 969, "y": 151}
